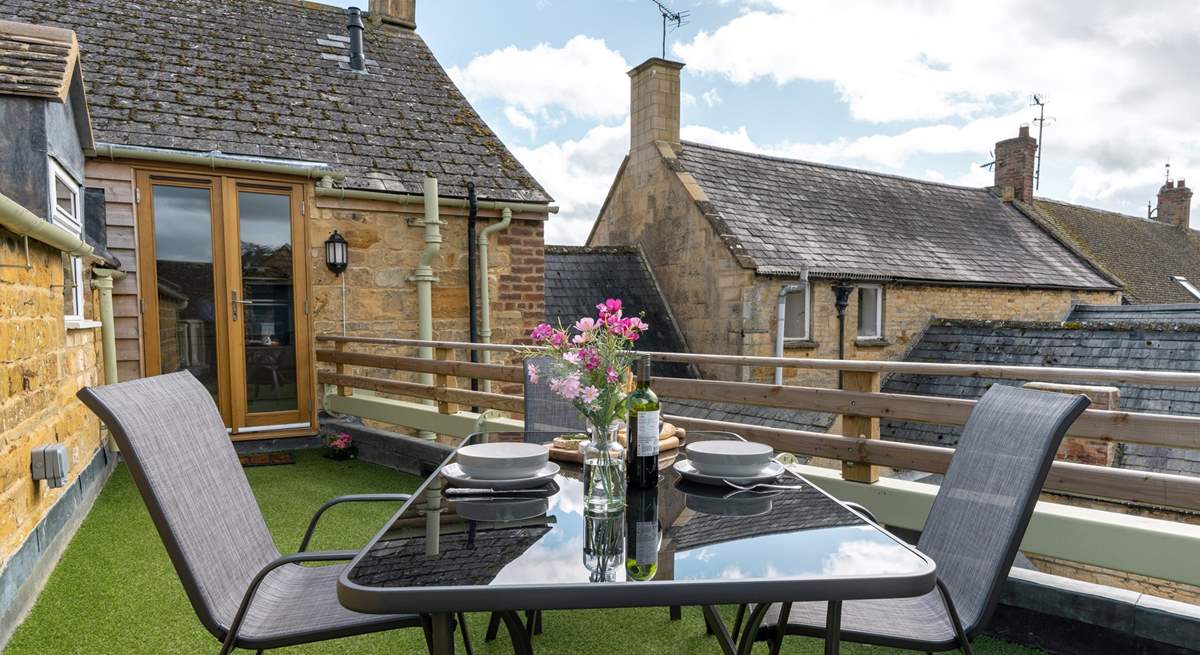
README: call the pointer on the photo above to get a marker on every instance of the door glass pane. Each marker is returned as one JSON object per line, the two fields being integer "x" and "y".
{"x": 265, "y": 226}
{"x": 868, "y": 312}
{"x": 184, "y": 266}
{"x": 795, "y": 320}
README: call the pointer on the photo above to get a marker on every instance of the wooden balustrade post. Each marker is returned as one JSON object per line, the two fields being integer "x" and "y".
{"x": 340, "y": 368}
{"x": 864, "y": 427}
{"x": 444, "y": 381}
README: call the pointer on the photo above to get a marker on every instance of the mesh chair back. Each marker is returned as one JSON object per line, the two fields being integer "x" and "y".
{"x": 174, "y": 441}
{"x": 546, "y": 411}
{"x": 988, "y": 495}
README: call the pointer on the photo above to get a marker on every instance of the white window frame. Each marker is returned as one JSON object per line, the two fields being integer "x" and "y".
{"x": 807, "y": 335}
{"x": 878, "y": 312}
{"x": 1187, "y": 285}
{"x": 70, "y": 223}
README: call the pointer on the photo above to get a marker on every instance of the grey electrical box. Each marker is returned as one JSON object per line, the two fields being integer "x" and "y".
{"x": 50, "y": 463}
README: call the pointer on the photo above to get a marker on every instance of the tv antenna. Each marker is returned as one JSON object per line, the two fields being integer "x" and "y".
{"x": 991, "y": 164}
{"x": 676, "y": 19}
{"x": 1039, "y": 100}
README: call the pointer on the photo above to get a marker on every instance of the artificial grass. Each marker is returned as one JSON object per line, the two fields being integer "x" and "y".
{"x": 114, "y": 591}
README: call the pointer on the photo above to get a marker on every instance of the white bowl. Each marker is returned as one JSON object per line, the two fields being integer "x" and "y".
{"x": 729, "y": 458}
{"x": 502, "y": 460}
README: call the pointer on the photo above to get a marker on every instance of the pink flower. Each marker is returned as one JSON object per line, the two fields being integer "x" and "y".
{"x": 589, "y": 394}
{"x": 533, "y": 374}
{"x": 586, "y": 324}
{"x": 567, "y": 387}
{"x": 612, "y": 375}
{"x": 580, "y": 339}
{"x": 612, "y": 305}
{"x": 572, "y": 356}
{"x": 558, "y": 338}
{"x": 591, "y": 359}
{"x": 638, "y": 324}
{"x": 541, "y": 332}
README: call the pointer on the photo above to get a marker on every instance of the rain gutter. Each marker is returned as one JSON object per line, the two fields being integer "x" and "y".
{"x": 216, "y": 159}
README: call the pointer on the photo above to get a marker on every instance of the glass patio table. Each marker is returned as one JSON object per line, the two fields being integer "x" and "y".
{"x": 683, "y": 543}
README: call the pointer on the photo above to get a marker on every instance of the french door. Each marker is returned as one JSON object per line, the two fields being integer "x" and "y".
{"x": 224, "y": 294}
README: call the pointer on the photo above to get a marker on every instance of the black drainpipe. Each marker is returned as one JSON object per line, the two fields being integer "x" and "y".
{"x": 472, "y": 264}
{"x": 841, "y": 300}
{"x": 358, "y": 61}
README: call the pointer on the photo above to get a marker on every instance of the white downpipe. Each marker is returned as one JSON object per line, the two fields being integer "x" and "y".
{"x": 485, "y": 299}
{"x": 425, "y": 278}
{"x": 779, "y": 321}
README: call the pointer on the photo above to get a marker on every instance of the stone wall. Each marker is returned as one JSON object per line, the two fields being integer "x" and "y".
{"x": 42, "y": 365}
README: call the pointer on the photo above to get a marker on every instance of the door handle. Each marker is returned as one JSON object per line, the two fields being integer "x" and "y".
{"x": 233, "y": 304}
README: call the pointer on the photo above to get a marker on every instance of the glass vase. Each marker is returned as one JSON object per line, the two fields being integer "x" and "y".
{"x": 603, "y": 546}
{"x": 603, "y": 470}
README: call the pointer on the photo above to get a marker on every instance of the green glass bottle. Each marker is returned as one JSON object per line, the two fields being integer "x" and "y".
{"x": 642, "y": 459}
{"x": 643, "y": 534}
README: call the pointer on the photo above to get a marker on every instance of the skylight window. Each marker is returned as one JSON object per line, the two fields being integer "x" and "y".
{"x": 1188, "y": 286}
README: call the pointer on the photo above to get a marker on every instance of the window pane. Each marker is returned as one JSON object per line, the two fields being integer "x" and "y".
{"x": 795, "y": 319}
{"x": 265, "y": 226}
{"x": 184, "y": 264}
{"x": 64, "y": 199}
{"x": 868, "y": 312}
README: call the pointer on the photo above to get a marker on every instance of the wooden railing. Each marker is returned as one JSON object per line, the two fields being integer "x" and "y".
{"x": 860, "y": 405}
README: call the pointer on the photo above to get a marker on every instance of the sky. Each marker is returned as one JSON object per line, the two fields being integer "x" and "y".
{"x": 916, "y": 88}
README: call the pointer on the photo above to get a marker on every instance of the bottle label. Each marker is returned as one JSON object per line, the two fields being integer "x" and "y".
{"x": 646, "y": 542}
{"x": 647, "y": 433}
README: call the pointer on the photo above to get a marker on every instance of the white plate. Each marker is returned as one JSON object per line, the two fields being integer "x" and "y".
{"x": 729, "y": 458}
{"x": 455, "y": 475}
{"x": 771, "y": 471}
{"x": 502, "y": 460}
{"x": 502, "y": 510}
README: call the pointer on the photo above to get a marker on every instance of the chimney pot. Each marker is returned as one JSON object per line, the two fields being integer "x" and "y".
{"x": 358, "y": 60}
{"x": 1175, "y": 204}
{"x": 654, "y": 103}
{"x": 1014, "y": 164}
{"x": 394, "y": 12}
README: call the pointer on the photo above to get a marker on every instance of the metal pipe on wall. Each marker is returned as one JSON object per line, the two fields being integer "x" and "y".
{"x": 472, "y": 283}
{"x": 425, "y": 278}
{"x": 485, "y": 299}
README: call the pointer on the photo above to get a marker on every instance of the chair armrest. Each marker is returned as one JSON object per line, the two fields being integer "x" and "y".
{"x": 295, "y": 558}
{"x": 352, "y": 498}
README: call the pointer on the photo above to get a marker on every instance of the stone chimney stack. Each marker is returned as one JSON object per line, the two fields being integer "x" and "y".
{"x": 393, "y": 12}
{"x": 1014, "y": 165}
{"x": 654, "y": 104}
{"x": 1175, "y": 204}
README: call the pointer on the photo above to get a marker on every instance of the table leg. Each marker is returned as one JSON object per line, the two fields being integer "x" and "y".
{"x": 785, "y": 613}
{"x": 833, "y": 627}
{"x": 717, "y": 626}
{"x": 518, "y": 632}
{"x": 751, "y": 629}
{"x": 443, "y": 634}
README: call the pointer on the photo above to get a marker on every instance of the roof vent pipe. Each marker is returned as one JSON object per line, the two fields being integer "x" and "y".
{"x": 358, "y": 61}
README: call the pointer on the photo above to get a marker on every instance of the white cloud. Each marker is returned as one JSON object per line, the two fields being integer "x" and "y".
{"x": 577, "y": 173}
{"x": 711, "y": 97}
{"x": 584, "y": 78}
{"x": 1118, "y": 75}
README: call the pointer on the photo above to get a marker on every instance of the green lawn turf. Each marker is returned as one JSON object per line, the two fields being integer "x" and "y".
{"x": 115, "y": 591}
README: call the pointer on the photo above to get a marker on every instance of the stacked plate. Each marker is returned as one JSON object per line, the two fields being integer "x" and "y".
{"x": 501, "y": 466}
{"x": 739, "y": 462}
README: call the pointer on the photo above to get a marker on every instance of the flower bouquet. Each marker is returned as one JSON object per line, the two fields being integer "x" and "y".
{"x": 588, "y": 364}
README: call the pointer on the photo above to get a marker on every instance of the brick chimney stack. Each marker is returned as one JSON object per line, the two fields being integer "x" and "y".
{"x": 1175, "y": 204}
{"x": 654, "y": 104}
{"x": 1014, "y": 165}
{"x": 393, "y": 12}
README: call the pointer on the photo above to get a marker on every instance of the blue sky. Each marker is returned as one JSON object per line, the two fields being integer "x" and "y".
{"x": 922, "y": 89}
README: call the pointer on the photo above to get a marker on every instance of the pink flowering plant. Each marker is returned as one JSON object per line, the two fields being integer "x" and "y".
{"x": 589, "y": 360}
{"x": 340, "y": 446}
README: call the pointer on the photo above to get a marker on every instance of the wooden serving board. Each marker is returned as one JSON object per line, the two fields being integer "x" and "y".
{"x": 665, "y": 447}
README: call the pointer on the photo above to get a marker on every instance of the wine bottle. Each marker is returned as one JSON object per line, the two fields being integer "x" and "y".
{"x": 642, "y": 466}
{"x": 643, "y": 534}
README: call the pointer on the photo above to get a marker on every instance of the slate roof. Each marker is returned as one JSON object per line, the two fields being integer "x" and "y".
{"x": 1142, "y": 254}
{"x": 791, "y": 511}
{"x": 1129, "y": 345}
{"x": 1178, "y": 313}
{"x": 268, "y": 78}
{"x": 783, "y": 215}
{"x": 35, "y": 60}
{"x": 577, "y": 278}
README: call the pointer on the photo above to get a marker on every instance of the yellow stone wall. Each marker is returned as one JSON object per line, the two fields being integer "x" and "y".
{"x": 42, "y": 365}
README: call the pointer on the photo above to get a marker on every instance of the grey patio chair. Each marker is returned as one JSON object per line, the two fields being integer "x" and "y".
{"x": 973, "y": 531}
{"x": 546, "y": 411}
{"x": 243, "y": 590}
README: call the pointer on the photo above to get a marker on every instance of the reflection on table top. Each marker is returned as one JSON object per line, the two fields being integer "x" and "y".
{"x": 701, "y": 533}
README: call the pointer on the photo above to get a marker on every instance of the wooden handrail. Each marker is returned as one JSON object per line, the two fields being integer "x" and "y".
{"x": 498, "y": 372}
{"x": 426, "y": 391}
{"x": 1029, "y": 373}
{"x": 1161, "y": 489}
{"x": 1128, "y": 427}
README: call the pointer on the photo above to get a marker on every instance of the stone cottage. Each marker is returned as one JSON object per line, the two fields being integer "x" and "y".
{"x": 732, "y": 236}
{"x": 233, "y": 138}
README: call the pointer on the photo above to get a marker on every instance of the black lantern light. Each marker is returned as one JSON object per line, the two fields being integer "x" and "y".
{"x": 336, "y": 250}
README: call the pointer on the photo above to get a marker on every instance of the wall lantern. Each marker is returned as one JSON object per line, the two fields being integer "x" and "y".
{"x": 336, "y": 250}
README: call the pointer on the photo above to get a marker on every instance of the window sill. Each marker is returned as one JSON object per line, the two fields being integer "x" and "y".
{"x": 871, "y": 342}
{"x": 81, "y": 324}
{"x": 798, "y": 344}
